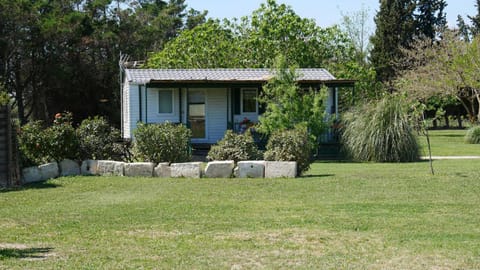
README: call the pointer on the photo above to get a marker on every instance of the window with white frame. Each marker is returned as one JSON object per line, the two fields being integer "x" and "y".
{"x": 165, "y": 101}
{"x": 249, "y": 100}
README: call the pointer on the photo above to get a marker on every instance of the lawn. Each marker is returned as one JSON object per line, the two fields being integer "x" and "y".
{"x": 341, "y": 216}
{"x": 449, "y": 142}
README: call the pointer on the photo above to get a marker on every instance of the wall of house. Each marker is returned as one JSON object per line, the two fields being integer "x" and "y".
{"x": 152, "y": 110}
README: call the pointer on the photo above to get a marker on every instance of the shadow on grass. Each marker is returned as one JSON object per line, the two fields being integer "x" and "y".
{"x": 39, "y": 185}
{"x": 24, "y": 253}
{"x": 316, "y": 175}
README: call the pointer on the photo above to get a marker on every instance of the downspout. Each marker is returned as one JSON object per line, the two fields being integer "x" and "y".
{"x": 336, "y": 103}
{"x": 180, "y": 105}
{"x": 146, "y": 104}
{"x": 140, "y": 103}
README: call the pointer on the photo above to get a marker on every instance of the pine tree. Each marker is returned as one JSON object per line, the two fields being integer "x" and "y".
{"x": 475, "y": 28}
{"x": 395, "y": 29}
{"x": 430, "y": 18}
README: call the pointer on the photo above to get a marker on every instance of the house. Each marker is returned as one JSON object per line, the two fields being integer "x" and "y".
{"x": 208, "y": 101}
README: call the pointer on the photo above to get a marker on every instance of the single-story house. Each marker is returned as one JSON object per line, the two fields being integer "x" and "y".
{"x": 208, "y": 101}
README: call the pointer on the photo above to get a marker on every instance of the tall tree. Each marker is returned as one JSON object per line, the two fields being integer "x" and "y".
{"x": 355, "y": 25}
{"x": 430, "y": 18}
{"x": 395, "y": 29}
{"x": 255, "y": 41}
{"x": 63, "y": 55}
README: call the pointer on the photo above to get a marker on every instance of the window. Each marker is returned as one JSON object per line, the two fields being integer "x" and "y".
{"x": 165, "y": 101}
{"x": 249, "y": 100}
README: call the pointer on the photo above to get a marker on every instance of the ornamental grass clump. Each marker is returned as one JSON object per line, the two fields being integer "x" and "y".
{"x": 380, "y": 133}
{"x": 473, "y": 135}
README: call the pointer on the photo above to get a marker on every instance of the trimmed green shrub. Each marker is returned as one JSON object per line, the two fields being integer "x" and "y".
{"x": 164, "y": 142}
{"x": 98, "y": 140}
{"x": 473, "y": 135}
{"x": 236, "y": 147}
{"x": 32, "y": 143}
{"x": 380, "y": 132}
{"x": 41, "y": 145}
{"x": 291, "y": 145}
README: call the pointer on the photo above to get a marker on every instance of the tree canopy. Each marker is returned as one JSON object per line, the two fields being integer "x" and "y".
{"x": 63, "y": 55}
{"x": 255, "y": 41}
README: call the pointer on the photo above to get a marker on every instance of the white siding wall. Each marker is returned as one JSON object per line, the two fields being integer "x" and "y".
{"x": 153, "y": 116}
{"x": 133, "y": 110}
{"x": 216, "y": 114}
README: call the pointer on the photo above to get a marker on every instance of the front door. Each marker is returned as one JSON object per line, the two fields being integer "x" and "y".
{"x": 196, "y": 113}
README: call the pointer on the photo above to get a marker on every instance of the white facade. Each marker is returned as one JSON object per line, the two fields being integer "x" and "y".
{"x": 226, "y": 100}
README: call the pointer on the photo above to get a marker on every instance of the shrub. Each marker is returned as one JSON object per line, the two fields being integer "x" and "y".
{"x": 380, "y": 133}
{"x": 98, "y": 140}
{"x": 235, "y": 147}
{"x": 164, "y": 142}
{"x": 473, "y": 135}
{"x": 32, "y": 144}
{"x": 39, "y": 145}
{"x": 291, "y": 145}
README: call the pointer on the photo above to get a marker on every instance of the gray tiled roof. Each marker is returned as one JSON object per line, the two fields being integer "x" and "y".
{"x": 220, "y": 75}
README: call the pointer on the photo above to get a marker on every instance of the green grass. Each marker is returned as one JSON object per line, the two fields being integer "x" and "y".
{"x": 341, "y": 216}
{"x": 449, "y": 142}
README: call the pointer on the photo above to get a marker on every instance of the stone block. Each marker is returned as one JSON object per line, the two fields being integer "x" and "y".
{"x": 69, "y": 167}
{"x": 188, "y": 169}
{"x": 110, "y": 168}
{"x": 162, "y": 170}
{"x": 280, "y": 169}
{"x": 219, "y": 169}
{"x": 31, "y": 175}
{"x": 139, "y": 169}
{"x": 251, "y": 169}
{"x": 89, "y": 167}
{"x": 49, "y": 170}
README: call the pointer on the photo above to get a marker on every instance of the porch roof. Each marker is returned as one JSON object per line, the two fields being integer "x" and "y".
{"x": 223, "y": 75}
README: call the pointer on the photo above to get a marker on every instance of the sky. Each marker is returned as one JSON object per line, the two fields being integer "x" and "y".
{"x": 324, "y": 12}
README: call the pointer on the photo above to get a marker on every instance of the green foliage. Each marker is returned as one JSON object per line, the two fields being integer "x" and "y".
{"x": 166, "y": 142}
{"x": 291, "y": 145}
{"x": 380, "y": 132}
{"x": 66, "y": 52}
{"x": 32, "y": 144}
{"x": 473, "y": 135}
{"x": 236, "y": 147}
{"x": 255, "y": 41}
{"x": 41, "y": 145}
{"x": 98, "y": 140}
{"x": 209, "y": 45}
{"x": 4, "y": 97}
{"x": 288, "y": 105}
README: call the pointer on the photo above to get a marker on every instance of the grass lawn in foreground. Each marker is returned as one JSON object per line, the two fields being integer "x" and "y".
{"x": 449, "y": 142}
{"x": 341, "y": 216}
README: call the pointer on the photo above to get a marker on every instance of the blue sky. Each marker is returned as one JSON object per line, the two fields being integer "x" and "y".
{"x": 325, "y": 12}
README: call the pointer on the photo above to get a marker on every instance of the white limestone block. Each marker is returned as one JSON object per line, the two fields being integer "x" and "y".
{"x": 162, "y": 170}
{"x": 219, "y": 169}
{"x": 31, "y": 175}
{"x": 69, "y": 167}
{"x": 188, "y": 169}
{"x": 251, "y": 169}
{"x": 280, "y": 169}
{"x": 89, "y": 167}
{"x": 49, "y": 170}
{"x": 110, "y": 168}
{"x": 139, "y": 169}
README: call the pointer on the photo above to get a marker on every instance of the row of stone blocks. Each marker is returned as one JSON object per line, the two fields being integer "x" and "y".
{"x": 214, "y": 169}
